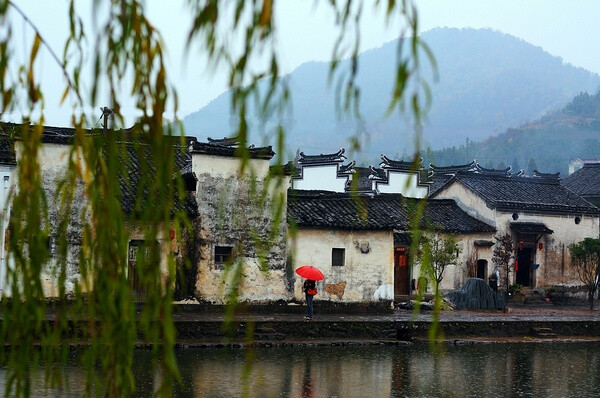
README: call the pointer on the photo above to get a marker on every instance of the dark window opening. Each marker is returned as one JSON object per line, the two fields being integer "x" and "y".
{"x": 223, "y": 254}
{"x": 337, "y": 257}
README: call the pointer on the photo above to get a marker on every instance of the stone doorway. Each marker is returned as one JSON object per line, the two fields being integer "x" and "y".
{"x": 524, "y": 266}
{"x": 401, "y": 272}
{"x": 482, "y": 269}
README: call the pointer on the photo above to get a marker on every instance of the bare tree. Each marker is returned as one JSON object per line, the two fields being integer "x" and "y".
{"x": 585, "y": 257}
{"x": 471, "y": 264}
{"x": 503, "y": 252}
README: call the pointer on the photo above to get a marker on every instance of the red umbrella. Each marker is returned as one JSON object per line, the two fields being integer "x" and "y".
{"x": 310, "y": 272}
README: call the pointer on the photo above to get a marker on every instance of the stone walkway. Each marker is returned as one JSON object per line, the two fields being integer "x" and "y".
{"x": 520, "y": 313}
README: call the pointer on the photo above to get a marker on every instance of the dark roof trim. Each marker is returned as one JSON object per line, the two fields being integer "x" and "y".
{"x": 530, "y": 228}
{"x": 387, "y": 163}
{"x": 454, "y": 168}
{"x": 553, "y": 176}
{"x": 231, "y": 141}
{"x": 337, "y": 157}
{"x": 483, "y": 243}
{"x": 231, "y": 151}
{"x": 500, "y": 172}
{"x": 554, "y": 210}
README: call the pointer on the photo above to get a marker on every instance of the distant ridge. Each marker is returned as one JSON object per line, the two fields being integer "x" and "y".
{"x": 488, "y": 81}
{"x": 548, "y": 143}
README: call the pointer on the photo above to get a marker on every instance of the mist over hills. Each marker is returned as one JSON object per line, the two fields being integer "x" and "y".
{"x": 488, "y": 82}
{"x": 547, "y": 144}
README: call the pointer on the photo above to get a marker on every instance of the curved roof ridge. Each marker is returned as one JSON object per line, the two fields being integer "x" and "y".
{"x": 453, "y": 168}
{"x": 337, "y": 157}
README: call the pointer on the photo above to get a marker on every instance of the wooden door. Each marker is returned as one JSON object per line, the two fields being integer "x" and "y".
{"x": 401, "y": 274}
{"x": 524, "y": 266}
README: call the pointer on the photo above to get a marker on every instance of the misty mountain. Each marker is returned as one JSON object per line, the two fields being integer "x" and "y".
{"x": 488, "y": 81}
{"x": 547, "y": 144}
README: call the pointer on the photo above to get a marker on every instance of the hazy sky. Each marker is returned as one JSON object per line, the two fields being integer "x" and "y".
{"x": 565, "y": 28}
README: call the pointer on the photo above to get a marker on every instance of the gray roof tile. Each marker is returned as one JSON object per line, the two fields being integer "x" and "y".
{"x": 533, "y": 194}
{"x": 321, "y": 209}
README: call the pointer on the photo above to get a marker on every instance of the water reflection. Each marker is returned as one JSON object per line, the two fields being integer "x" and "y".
{"x": 549, "y": 370}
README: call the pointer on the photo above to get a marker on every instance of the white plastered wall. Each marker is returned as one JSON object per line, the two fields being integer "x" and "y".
{"x": 403, "y": 183}
{"x": 229, "y": 215}
{"x": 455, "y": 275}
{"x": 369, "y": 277}
{"x": 320, "y": 178}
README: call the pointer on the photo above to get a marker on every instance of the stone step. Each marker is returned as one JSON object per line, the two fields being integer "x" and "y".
{"x": 269, "y": 336}
{"x": 543, "y": 332}
{"x": 546, "y": 335}
{"x": 264, "y": 329}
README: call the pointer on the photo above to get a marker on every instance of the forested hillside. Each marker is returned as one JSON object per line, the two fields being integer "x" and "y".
{"x": 547, "y": 144}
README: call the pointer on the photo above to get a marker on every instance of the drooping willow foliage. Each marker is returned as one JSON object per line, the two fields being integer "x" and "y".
{"x": 74, "y": 222}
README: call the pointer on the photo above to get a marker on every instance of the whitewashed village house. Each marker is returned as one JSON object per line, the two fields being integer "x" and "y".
{"x": 360, "y": 237}
{"x": 223, "y": 204}
{"x": 541, "y": 215}
{"x": 53, "y": 159}
{"x": 233, "y": 222}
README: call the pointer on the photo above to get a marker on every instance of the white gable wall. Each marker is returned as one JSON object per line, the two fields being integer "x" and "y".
{"x": 468, "y": 201}
{"x": 403, "y": 183}
{"x": 320, "y": 178}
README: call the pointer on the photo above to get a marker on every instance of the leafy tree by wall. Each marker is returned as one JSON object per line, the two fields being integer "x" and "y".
{"x": 585, "y": 257}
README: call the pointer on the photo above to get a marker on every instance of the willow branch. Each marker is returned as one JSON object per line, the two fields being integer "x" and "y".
{"x": 52, "y": 53}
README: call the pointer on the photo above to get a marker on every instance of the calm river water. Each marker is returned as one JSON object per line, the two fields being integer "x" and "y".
{"x": 495, "y": 370}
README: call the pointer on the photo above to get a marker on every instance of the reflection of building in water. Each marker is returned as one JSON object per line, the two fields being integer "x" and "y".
{"x": 545, "y": 370}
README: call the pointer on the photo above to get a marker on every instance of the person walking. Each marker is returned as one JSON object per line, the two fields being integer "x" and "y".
{"x": 310, "y": 290}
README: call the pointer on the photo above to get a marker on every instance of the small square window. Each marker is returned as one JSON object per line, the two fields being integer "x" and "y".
{"x": 223, "y": 254}
{"x": 337, "y": 257}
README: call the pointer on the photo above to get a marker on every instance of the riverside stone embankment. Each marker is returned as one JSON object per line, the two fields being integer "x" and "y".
{"x": 533, "y": 323}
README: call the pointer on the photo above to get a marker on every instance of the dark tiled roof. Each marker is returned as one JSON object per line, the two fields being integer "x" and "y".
{"x": 483, "y": 170}
{"x": 130, "y": 176}
{"x": 139, "y": 171}
{"x": 402, "y": 238}
{"x": 287, "y": 169}
{"x": 230, "y": 149}
{"x": 378, "y": 174}
{"x": 531, "y": 194}
{"x": 539, "y": 174}
{"x": 347, "y": 168}
{"x": 226, "y": 141}
{"x": 585, "y": 181}
{"x": 387, "y": 163}
{"x": 7, "y": 150}
{"x": 361, "y": 181}
{"x": 329, "y": 210}
{"x": 438, "y": 181}
{"x": 337, "y": 157}
{"x": 454, "y": 168}
{"x": 530, "y": 228}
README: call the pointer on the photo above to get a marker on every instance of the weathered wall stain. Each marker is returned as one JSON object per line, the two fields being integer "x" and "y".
{"x": 336, "y": 289}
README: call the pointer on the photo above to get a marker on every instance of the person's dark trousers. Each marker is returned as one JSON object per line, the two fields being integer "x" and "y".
{"x": 309, "y": 305}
